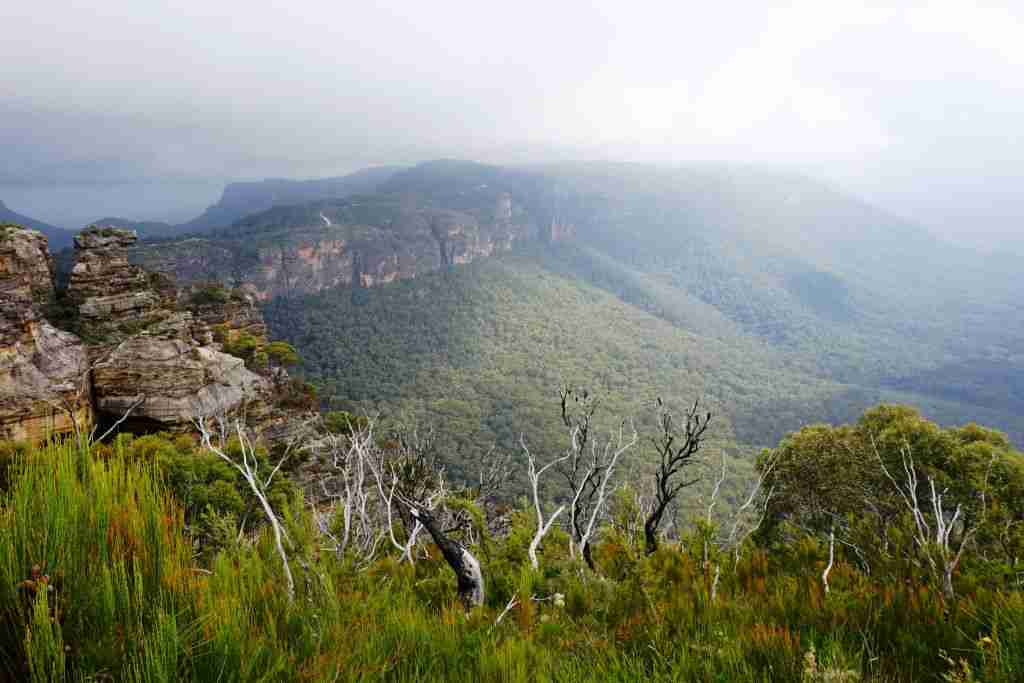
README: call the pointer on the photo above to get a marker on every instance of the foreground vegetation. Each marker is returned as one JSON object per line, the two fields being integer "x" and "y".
{"x": 139, "y": 560}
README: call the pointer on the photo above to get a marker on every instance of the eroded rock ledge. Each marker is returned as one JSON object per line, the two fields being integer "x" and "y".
{"x": 150, "y": 351}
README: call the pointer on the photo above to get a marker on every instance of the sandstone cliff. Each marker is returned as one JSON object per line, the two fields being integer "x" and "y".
{"x": 113, "y": 297}
{"x": 157, "y": 361}
{"x": 152, "y": 353}
{"x": 360, "y": 242}
{"x": 44, "y": 384}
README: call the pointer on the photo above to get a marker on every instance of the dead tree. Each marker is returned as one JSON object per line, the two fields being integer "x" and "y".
{"x": 468, "y": 575}
{"x": 422, "y": 492}
{"x": 215, "y": 434}
{"x": 602, "y": 466}
{"x": 746, "y": 519}
{"x": 493, "y": 472}
{"x": 577, "y": 412}
{"x": 410, "y": 483}
{"x": 749, "y": 516}
{"x": 387, "y": 482}
{"x": 351, "y": 494}
{"x": 587, "y": 468}
{"x": 676, "y": 451}
{"x": 534, "y": 475}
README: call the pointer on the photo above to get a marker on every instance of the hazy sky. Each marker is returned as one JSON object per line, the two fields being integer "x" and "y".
{"x": 919, "y": 107}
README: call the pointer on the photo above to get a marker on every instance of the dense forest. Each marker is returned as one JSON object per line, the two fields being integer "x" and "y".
{"x": 476, "y": 348}
{"x": 781, "y": 299}
{"x": 887, "y": 549}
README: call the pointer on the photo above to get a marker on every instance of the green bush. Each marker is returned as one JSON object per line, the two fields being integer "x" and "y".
{"x": 210, "y": 295}
{"x": 99, "y": 581}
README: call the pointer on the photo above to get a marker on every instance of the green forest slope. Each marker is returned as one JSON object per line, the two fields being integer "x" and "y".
{"x": 480, "y": 350}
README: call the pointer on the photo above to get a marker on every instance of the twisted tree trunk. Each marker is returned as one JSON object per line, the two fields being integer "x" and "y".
{"x": 469, "y": 578}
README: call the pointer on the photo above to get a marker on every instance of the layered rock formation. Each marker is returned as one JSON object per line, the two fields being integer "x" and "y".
{"x": 114, "y": 297}
{"x": 304, "y": 249}
{"x": 167, "y": 382}
{"x": 156, "y": 361}
{"x": 44, "y": 383}
{"x": 228, "y": 314}
{"x": 153, "y": 354}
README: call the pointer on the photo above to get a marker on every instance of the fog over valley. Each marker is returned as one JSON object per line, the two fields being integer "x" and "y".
{"x": 915, "y": 109}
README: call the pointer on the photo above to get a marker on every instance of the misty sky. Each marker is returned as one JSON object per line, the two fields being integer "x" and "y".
{"x": 919, "y": 109}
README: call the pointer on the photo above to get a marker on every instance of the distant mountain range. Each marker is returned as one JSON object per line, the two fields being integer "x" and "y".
{"x": 777, "y": 296}
{"x": 57, "y": 237}
{"x": 243, "y": 199}
{"x": 459, "y": 293}
{"x": 237, "y": 201}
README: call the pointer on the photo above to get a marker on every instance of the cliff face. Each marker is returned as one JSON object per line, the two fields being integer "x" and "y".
{"x": 44, "y": 384}
{"x": 228, "y": 315}
{"x": 154, "y": 353}
{"x": 361, "y": 243}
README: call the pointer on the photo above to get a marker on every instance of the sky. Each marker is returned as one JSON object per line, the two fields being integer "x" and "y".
{"x": 914, "y": 106}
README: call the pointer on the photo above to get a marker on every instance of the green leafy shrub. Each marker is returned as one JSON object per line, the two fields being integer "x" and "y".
{"x": 210, "y": 295}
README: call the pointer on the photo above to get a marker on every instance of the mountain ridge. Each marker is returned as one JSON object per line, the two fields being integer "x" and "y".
{"x": 240, "y": 199}
{"x": 763, "y": 260}
{"x": 59, "y": 238}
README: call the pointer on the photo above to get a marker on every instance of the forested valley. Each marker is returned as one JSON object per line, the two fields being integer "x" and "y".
{"x": 561, "y": 422}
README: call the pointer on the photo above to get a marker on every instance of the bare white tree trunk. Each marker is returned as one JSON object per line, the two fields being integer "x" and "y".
{"x": 831, "y": 557}
{"x": 476, "y": 595}
{"x": 608, "y": 462}
{"x": 469, "y": 578}
{"x": 943, "y": 555}
{"x": 534, "y": 476}
{"x": 249, "y": 469}
{"x": 410, "y": 543}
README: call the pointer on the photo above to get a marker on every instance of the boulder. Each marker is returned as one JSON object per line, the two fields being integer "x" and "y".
{"x": 170, "y": 382}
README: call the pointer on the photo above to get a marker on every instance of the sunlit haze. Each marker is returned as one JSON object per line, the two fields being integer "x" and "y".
{"x": 916, "y": 108}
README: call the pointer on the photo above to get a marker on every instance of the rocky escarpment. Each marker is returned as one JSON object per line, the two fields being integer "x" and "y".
{"x": 229, "y": 314}
{"x": 155, "y": 360}
{"x": 361, "y": 242}
{"x": 146, "y": 352}
{"x": 44, "y": 384}
{"x": 166, "y": 378}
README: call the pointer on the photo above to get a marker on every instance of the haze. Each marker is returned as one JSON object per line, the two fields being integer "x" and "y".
{"x": 145, "y": 109}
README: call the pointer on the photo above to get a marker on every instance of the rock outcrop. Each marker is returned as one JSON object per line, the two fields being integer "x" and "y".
{"x": 168, "y": 382}
{"x": 44, "y": 383}
{"x": 229, "y": 314}
{"x": 152, "y": 354}
{"x": 113, "y": 296}
{"x": 156, "y": 361}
